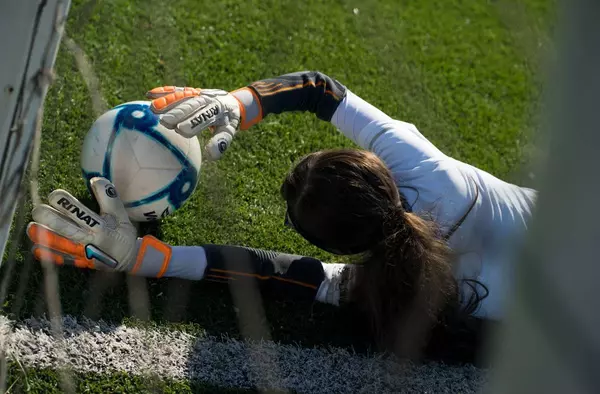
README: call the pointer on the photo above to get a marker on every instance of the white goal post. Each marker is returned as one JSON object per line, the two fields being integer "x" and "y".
{"x": 31, "y": 32}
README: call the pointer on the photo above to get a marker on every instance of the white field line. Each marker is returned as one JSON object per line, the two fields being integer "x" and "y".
{"x": 89, "y": 346}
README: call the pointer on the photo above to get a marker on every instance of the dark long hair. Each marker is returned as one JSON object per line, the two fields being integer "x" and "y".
{"x": 346, "y": 201}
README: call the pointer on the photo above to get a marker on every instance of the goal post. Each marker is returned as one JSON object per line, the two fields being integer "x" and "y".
{"x": 32, "y": 31}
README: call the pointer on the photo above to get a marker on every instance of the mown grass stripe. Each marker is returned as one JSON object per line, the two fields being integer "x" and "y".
{"x": 100, "y": 348}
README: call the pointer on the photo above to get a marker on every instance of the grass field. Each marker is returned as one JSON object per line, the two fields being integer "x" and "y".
{"x": 467, "y": 73}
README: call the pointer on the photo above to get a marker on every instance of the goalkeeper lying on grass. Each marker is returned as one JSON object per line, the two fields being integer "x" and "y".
{"x": 435, "y": 236}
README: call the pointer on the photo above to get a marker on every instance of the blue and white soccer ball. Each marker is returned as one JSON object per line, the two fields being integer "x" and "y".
{"x": 154, "y": 169}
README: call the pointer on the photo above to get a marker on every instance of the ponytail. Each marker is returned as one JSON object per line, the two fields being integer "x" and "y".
{"x": 347, "y": 202}
{"x": 405, "y": 282}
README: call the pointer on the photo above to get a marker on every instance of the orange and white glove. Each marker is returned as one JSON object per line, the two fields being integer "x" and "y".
{"x": 189, "y": 111}
{"x": 66, "y": 232}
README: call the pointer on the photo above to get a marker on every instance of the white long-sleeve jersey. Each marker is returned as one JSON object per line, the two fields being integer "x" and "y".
{"x": 437, "y": 185}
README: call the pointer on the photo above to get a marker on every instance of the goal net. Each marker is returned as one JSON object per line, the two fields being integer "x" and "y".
{"x": 539, "y": 341}
{"x": 32, "y": 32}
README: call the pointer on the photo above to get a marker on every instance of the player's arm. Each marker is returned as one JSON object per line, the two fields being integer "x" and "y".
{"x": 329, "y": 100}
{"x": 279, "y": 275}
{"x": 66, "y": 232}
{"x": 307, "y": 91}
{"x": 190, "y": 111}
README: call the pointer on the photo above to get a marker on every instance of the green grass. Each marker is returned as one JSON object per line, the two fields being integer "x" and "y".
{"x": 467, "y": 73}
{"x": 47, "y": 381}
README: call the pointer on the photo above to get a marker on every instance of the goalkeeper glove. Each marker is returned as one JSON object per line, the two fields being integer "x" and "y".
{"x": 66, "y": 232}
{"x": 189, "y": 111}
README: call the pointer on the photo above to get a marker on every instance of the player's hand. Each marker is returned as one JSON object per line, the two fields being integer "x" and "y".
{"x": 66, "y": 232}
{"x": 189, "y": 111}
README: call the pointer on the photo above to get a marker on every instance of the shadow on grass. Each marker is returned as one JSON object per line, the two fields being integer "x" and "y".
{"x": 45, "y": 380}
{"x": 200, "y": 306}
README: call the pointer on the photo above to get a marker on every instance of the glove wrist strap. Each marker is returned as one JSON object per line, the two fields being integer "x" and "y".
{"x": 153, "y": 257}
{"x": 250, "y": 108}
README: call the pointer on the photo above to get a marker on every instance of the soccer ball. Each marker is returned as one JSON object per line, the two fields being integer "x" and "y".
{"x": 154, "y": 169}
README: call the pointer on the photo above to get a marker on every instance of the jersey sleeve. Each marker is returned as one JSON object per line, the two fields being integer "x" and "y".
{"x": 306, "y": 91}
{"x": 279, "y": 275}
{"x": 399, "y": 144}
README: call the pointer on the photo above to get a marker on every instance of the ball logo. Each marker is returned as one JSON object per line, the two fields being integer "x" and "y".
{"x": 222, "y": 146}
{"x": 111, "y": 191}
